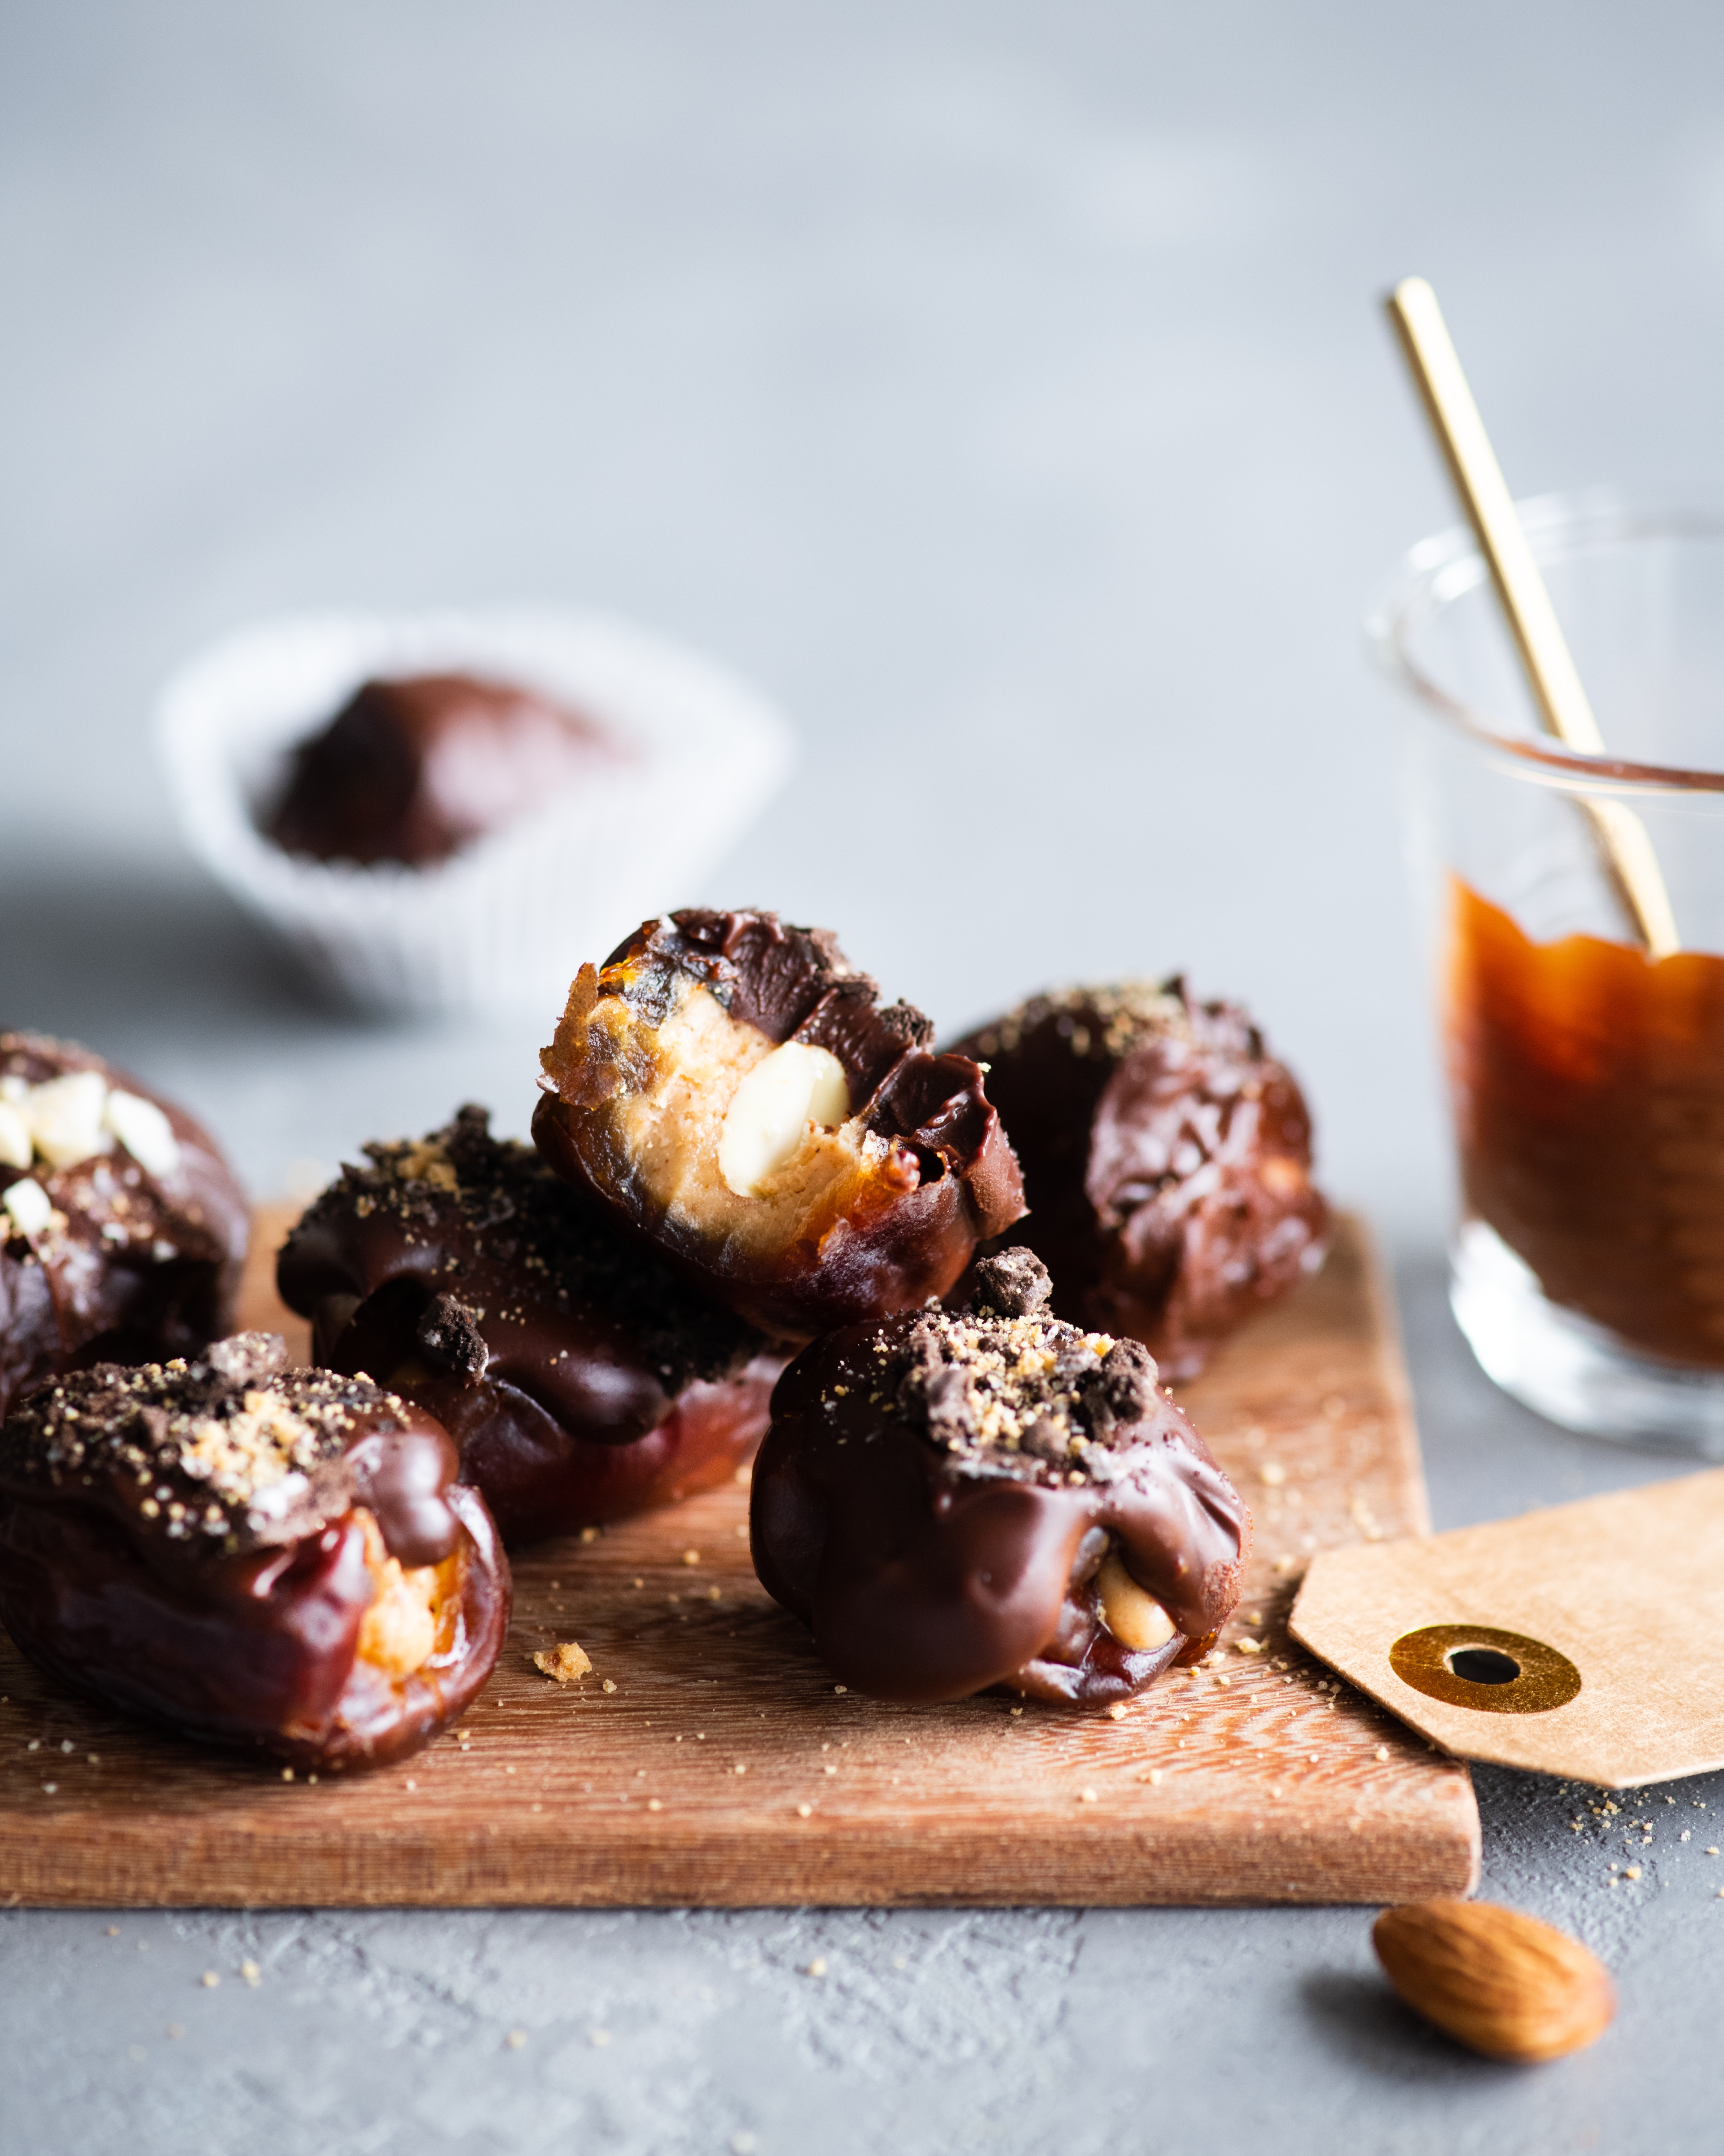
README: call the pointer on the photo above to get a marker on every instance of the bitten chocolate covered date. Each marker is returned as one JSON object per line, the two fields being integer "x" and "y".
{"x": 415, "y": 769}
{"x": 1166, "y": 1158}
{"x": 249, "y": 1554}
{"x": 735, "y": 1092}
{"x": 952, "y": 1501}
{"x": 580, "y": 1377}
{"x": 122, "y": 1230}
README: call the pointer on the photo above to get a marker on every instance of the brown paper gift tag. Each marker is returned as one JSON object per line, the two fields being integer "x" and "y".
{"x": 1586, "y": 1641}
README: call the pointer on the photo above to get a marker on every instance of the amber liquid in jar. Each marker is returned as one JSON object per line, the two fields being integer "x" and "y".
{"x": 1588, "y": 1085}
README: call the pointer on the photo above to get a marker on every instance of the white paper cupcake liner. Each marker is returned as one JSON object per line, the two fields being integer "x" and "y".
{"x": 504, "y": 924}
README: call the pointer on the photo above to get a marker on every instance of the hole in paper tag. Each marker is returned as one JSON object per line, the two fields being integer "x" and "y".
{"x": 1476, "y": 1666}
{"x": 1483, "y": 1665}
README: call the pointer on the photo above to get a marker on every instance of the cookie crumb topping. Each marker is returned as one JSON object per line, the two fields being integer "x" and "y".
{"x": 1014, "y": 1283}
{"x": 1004, "y": 1387}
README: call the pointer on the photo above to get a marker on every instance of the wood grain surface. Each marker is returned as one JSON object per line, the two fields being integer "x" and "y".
{"x": 709, "y": 1759}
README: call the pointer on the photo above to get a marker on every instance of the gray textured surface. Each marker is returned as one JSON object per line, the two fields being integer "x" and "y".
{"x": 1000, "y": 385}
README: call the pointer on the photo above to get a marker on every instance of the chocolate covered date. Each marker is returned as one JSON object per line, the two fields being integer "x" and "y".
{"x": 1167, "y": 1161}
{"x": 249, "y": 1554}
{"x": 580, "y": 1377}
{"x": 122, "y": 1229}
{"x": 990, "y": 1496}
{"x": 733, "y": 1091}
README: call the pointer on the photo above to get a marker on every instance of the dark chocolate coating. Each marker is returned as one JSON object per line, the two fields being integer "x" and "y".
{"x": 413, "y": 770}
{"x": 135, "y": 1266}
{"x": 1167, "y": 1161}
{"x": 581, "y": 1378}
{"x": 933, "y": 1560}
{"x": 199, "y": 1544}
{"x": 941, "y": 1174}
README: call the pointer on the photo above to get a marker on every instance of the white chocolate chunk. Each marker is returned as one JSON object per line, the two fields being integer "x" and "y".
{"x": 66, "y": 1117}
{"x": 1135, "y": 1620}
{"x": 771, "y": 1109}
{"x": 28, "y": 1205}
{"x": 144, "y": 1131}
{"x": 15, "y": 1140}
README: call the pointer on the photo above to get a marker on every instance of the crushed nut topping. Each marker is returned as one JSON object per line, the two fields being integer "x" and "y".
{"x": 93, "y": 1164}
{"x": 233, "y": 1449}
{"x": 74, "y": 1115}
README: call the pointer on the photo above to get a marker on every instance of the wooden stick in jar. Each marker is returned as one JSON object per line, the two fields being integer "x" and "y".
{"x": 1624, "y": 847}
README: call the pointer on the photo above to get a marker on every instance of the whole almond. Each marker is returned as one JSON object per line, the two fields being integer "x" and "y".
{"x": 1504, "y": 1984}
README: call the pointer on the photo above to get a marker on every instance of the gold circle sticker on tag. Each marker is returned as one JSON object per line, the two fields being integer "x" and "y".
{"x": 1478, "y": 1667}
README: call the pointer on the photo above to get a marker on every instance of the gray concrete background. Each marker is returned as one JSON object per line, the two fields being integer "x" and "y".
{"x": 1000, "y": 385}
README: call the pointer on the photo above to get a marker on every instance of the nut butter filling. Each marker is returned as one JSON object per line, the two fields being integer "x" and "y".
{"x": 735, "y": 1092}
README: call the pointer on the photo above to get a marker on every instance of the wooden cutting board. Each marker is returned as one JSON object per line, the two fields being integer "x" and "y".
{"x": 709, "y": 1759}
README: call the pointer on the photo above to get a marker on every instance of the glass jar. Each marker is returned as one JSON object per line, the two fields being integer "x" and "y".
{"x": 1587, "y": 1080}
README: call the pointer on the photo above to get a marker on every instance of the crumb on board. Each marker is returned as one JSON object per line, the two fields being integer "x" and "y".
{"x": 565, "y": 1662}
